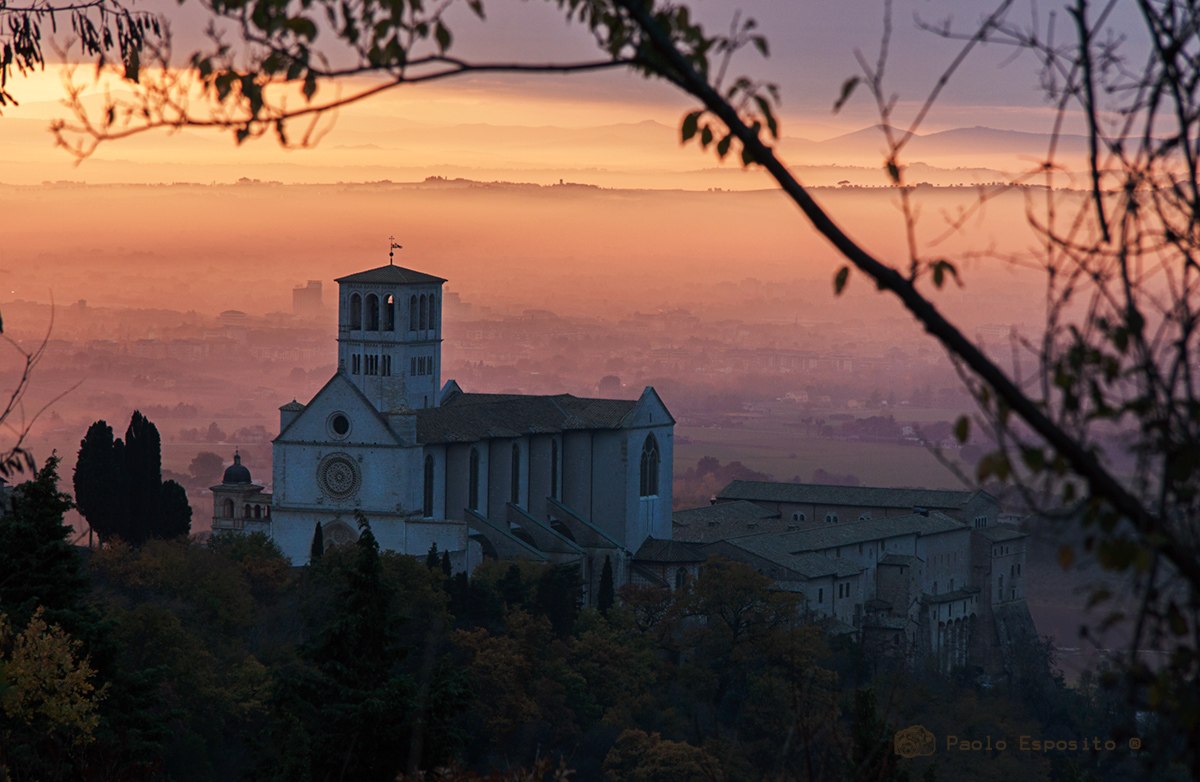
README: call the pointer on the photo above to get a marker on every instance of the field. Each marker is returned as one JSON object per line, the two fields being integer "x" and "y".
{"x": 784, "y": 454}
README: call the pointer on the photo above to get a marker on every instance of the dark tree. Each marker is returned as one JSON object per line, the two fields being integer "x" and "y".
{"x": 174, "y": 518}
{"x": 120, "y": 489}
{"x": 99, "y": 480}
{"x": 559, "y": 597}
{"x": 347, "y": 716}
{"x": 38, "y": 567}
{"x": 143, "y": 468}
{"x": 318, "y": 545}
{"x": 604, "y": 600}
{"x": 446, "y": 568}
{"x": 431, "y": 559}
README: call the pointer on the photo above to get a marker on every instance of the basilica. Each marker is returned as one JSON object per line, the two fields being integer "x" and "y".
{"x": 558, "y": 478}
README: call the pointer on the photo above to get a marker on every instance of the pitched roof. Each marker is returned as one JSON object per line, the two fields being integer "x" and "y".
{"x": 1001, "y": 533}
{"x": 739, "y": 510}
{"x": 653, "y": 550}
{"x": 851, "y": 532}
{"x": 770, "y": 546}
{"x": 473, "y": 417}
{"x": 392, "y": 275}
{"x": 820, "y": 494}
{"x": 900, "y": 559}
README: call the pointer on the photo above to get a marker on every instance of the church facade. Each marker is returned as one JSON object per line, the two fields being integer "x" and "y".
{"x": 552, "y": 478}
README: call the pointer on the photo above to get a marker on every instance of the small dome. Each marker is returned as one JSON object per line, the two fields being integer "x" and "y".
{"x": 236, "y": 473}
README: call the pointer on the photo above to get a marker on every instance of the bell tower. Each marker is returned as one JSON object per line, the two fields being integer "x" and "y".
{"x": 390, "y": 335}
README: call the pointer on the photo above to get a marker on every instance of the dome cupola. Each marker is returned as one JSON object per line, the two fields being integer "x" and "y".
{"x": 236, "y": 473}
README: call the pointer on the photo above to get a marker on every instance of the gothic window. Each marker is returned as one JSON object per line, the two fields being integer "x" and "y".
{"x": 516, "y": 474}
{"x": 389, "y": 313}
{"x": 372, "y": 313}
{"x": 229, "y": 509}
{"x": 246, "y": 515}
{"x": 820, "y": 595}
{"x": 554, "y": 469}
{"x": 387, "y": 365}
{"x": 1001, "y": 590}
{"x": 355, "y": 312}
{"x": 355, "y": 361}
{"x": 680, "y": 578}
{"x": 424, "y": 317}
{"x": 432, "y": 311}
{"x": 412, "y": 314}
{"x": 413, "y": 368}
{"x": 649, "y": 471}
{"x": 428, "y": 504}
{"x": 473, "y": 480}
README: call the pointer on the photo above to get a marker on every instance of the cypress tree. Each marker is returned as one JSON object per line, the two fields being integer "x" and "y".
{"x": 143, "y": 466}
{"x": 175, "y": 514}
{"x": 431, "y": 560}
{"x": 318, "y": 545}
{"x": 99, "y": 481}
{"x": 604, "y": 600}
{"x": 446, "y": 564}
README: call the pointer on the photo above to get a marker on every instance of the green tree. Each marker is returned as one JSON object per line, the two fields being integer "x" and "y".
{"x": 347, "y": 715}
{"x": 49, "y": 701}
{"x": 38, "y": 567}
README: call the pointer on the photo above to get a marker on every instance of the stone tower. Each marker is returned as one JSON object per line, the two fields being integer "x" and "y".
{"x": 390, "y": 336}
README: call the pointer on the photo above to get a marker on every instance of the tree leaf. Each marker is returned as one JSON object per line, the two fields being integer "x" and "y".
{"x": 690, "y": 123}
{"x": 839, "y": 281}
{"x": 847, "y": 89}
{"x": 962, "y": 428}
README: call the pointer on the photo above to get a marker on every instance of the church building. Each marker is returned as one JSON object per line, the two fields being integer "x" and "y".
{"x": 553, "y": 478}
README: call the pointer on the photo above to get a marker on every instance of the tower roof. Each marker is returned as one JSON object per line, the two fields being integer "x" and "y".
{"x": 236, "y": 472}
{"x": 392, "y": 275}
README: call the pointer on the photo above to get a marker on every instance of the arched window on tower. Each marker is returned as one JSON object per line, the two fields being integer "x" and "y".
{"x": 258, "y": 511}
{"x": 424, "y": 315}
{"x": 680, "y": 578}
{"x": 649, "y": 482}
{"x": 412, "y": 314}
{"x": 372, "y": 313}
{"x": 389, "y": 313}
{"x": 433, "y": 324}
{"x": 228, "y": 509}
{"x": 246, "y": 515}
{"x": 355, "y": 312}
{"x": 554, "y": 469}
{"x": 516, "y": 474}
{"x": 473, "y": 480}
{"x": 428, "y": 499}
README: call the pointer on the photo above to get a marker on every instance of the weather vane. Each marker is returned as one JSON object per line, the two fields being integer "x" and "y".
{"x": 392, "y": 252}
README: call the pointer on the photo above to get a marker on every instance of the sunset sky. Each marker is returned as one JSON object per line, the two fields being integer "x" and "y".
{"x": 540, "y": 128}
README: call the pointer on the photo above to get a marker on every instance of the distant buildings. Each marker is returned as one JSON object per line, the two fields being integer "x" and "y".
{"x": 915, "y": 574}
{"x": 306, "y": 300}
